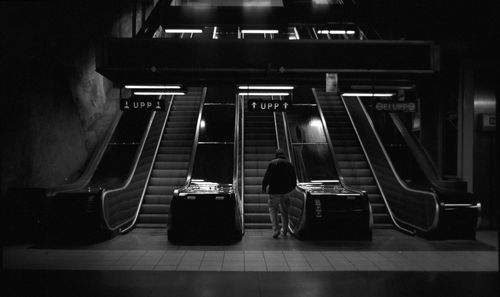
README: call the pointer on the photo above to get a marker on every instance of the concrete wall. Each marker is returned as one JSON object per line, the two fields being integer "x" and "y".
{"x": 55, "y": 108}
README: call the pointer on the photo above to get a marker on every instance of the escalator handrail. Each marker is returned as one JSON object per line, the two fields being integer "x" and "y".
{"x": 236, "y": 164}
{"x": 401, "y": 183}
{"x": 422, "y": 157}
{"x": 105, "y": 192}
{"x": 136, "y": 215}
{"x": 88, "y": 173}
{"x": 195, "y": 140}
{"x": 329, "y": 140}
{"x": 242, "y": 160}
{"x": 298, "y": 188}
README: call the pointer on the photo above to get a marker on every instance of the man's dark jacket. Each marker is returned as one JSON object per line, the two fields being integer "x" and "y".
{"x": 280, "y": 176}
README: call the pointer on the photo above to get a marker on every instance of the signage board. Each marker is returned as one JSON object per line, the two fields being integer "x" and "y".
{"x": 142, "y": 104}
{"x": 269, "y": 105}
{"x": 332, "y": 83}
{"x": 398, "y": 106}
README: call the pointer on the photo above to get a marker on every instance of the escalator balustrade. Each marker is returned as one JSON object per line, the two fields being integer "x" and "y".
{"x": 207, "y": 208}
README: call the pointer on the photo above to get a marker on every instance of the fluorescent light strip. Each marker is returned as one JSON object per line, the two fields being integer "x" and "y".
{"x": 214, "y": 36}
{"x": 152, "y": 87}
{"x": 264, "y": 94}
{"x": 367, "y": 94}
{"x": 265, "y": 87}
{"x": 183, "y": 30}
{"x": 337, "y": 32}
{"x": 259, "y": 31}
{"x": 158, "y": 93}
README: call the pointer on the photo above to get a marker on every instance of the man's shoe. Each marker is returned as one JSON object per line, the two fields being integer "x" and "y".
{"x": 276, "y": 235}
{"x": 284, "y": 232}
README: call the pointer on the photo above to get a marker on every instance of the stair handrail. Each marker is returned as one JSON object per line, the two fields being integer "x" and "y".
{"x": 136, "y": 215}
{"x": 242, "y": 160}
{"x": 195, "y": 140}
{"x": 105, "y": 192}
{"x": 423, "y": 159}
{"x": 90, "y": 168}
{"x": 298, "y": 188}
{"x": 402, "y": 184}
{"x": 329, "y": 141}
{"x": 236, "y": 165}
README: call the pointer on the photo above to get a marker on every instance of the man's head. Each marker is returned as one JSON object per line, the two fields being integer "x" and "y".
{"x": 280, "y": 153}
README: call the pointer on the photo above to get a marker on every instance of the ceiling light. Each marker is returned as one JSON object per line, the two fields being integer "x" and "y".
{"x": 367, "y": 94}
{"x": 264, "y": 94}
{"x": 183, "y": 31}
{"x": 265, "y": 87}
{"x": 248, "y": 31}
{"x": 158, "y": 93}
{"x": 337, "y": 32}
{"x": 152, "y": 87}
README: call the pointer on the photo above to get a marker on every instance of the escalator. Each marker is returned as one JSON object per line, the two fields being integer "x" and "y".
{"x": 425, "y": 209}
{"x": 172, "y": 160}
{"x": 321, "y": 206}
{"x": 352, "y": 162}
{"x": 207, "y": 208}
{"x": 87, "y": 210}
{"x": 259, "y": 147}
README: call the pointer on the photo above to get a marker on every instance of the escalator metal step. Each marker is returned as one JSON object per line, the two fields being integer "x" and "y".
{"x": 258, "y": 225}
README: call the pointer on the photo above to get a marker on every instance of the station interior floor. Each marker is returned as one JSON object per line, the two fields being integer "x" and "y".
{"x": 143, "y": 263}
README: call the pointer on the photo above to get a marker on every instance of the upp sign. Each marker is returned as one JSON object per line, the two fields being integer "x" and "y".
{"x": 268, "y": 105}
{"x": 142, "y": 105}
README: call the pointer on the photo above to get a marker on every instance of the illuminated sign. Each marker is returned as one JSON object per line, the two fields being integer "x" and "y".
{"x": 396, "y": 106}
{"x": 269, "y": 105}
{"x": 142, "y": 104}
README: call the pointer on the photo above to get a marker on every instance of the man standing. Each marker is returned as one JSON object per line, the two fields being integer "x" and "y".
{"x": 278, "y": 182}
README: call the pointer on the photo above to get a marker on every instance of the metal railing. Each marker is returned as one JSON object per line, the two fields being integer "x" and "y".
{"x": 126, "y": 229}
{"x": 138, "y": 154}
{"x": 196, "y": 137}
{"x": 383, "y": 190}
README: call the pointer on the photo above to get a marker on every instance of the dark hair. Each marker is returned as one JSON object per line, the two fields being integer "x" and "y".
{"x": 279, "y": 153}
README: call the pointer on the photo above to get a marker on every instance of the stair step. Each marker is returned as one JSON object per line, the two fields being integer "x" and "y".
{"x": 155, "y": 208}
{"x": 167, "y": 181}
{"x": 158, "y": 198}
{"x": 257, "y": 198}
{"x": 346, "y": 173}
{"x": 257, "y": 218}
{"x": 258, "y": 226}
{"x": 255, "y": 172}
{"x": 256, "y": 208}
{"x": 353, "y": 164}
{"x": 355, "y": 181}
{"x": 170, "y": 165}
{"x": 161, "y": 190}
{"x": 169, "y": 173}
{"x": 152, "y": 218}
{"x": 151, "y": 226}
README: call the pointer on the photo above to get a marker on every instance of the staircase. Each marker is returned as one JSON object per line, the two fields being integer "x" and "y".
{"x": 350, "y": 157}
{"x": 260, "y": 145}
{"x": 172, "y": 161}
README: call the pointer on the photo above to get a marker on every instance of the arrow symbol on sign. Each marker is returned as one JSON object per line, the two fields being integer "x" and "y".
{"x": 285, "y": 105}
{"x": 254, "y": 105}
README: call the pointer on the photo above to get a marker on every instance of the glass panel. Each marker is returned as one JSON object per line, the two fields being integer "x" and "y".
{"x": 305, "y": 125}
{"x": 220, "y": 95}
{"x": 303, "y": 95}
{"x": 214, "y": 163}
{"x": 401, "y": 156}
{"x": 314, "y": 162}
{"x": 217, "y": 123}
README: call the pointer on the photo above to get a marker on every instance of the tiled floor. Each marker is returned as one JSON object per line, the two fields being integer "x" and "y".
{"x": 148, "y": 250}
{"x": 143, "y": 264}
